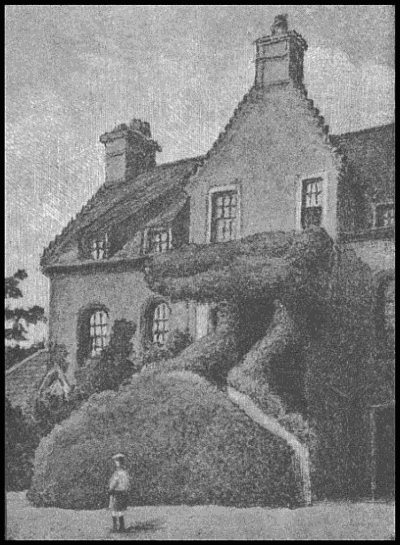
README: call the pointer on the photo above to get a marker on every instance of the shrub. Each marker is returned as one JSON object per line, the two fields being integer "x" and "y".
{"x": 185, "y": 442}
{"x": 115, "y": 363}
{"x": 21, "y": 439}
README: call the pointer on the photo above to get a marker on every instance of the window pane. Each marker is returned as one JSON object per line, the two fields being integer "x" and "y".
{"x": 385, "y": 215}
{"x": 223, "y": 215}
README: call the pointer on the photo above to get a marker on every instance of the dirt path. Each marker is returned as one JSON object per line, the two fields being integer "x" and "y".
{"x": 324, "y": 521}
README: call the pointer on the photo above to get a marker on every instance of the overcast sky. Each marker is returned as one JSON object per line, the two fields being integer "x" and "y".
{"x": 75, "y": 71}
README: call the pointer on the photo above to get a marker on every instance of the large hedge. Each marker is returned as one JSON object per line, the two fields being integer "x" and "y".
{"x": 265, "y": 265}
{"x": 185, "y": 442}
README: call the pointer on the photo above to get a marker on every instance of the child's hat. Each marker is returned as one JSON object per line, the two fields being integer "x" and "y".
{"x": 118, "y": 456}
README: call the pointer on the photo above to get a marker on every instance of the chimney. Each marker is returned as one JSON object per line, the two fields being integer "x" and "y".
{"x": 279, "y": 57}
{"x": 130, "y": 151}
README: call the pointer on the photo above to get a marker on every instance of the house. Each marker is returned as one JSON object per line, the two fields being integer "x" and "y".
{"x": 275, "y": 167}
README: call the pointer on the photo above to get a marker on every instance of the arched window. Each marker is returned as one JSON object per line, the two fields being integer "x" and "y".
{"x": 98, "y": 332}
{"x": 160, "y": 324}
{"x": 386, "y": 316}
{"x": 92, "y": 333}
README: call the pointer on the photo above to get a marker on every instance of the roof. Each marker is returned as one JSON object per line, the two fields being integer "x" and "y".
{"x": 370, "y": 154}
{"x": 23, "y": 381}
{"x": 125, "y": 198}
{"x": 170, "y": 213}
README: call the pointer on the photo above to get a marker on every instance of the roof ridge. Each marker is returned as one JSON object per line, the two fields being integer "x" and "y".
{"x": 368, "y": 129}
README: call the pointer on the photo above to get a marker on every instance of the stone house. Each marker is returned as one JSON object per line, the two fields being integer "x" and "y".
{"x": 275, "y": 167}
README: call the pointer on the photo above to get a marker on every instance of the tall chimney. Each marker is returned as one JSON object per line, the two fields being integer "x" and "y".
{"x": 130, "y": 151}
{"x": 279, "y": 57}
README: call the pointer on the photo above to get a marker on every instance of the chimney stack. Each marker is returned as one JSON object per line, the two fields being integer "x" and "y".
{"x": 130, "y": 151}
{"x": 279, "y": 56}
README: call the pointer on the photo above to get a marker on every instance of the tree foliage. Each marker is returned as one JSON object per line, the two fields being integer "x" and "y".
{"x": 21, "y": 318}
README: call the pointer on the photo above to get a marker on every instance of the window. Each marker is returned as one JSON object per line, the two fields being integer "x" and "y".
{"x": 160, "y": 241}
{"x": 98, "y": 332}
{"x": 385, "y": 215}
{"x": 311, "y": 203}
{"x": 160, "y": 325}
{"x": 224, "y": 216}
{"x": 389, "y": 314}
{"x": 386, "y": 316}
{"x": 100, "y": 248}
{"x": 205, "y": 320}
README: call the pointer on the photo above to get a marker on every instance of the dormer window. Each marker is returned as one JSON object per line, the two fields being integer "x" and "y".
{"x": 100, "y": 248}
{"x": 157, "y": 240}
{"x": 160, "y": 241}
{"x": 385, "y": 215}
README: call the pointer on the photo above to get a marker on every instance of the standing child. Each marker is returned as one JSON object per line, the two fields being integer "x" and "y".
{"x": 118, "y": 489}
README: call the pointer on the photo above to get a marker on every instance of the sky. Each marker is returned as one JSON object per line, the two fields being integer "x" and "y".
{"x": 73, "y": 72}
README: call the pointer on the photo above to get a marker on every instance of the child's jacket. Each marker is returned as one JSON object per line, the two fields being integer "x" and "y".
{"x": 120, "y": 481}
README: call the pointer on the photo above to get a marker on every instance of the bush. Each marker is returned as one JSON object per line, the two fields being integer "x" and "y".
{"x": 21, "y": 439}
{"x": 185, "y": 442}
{"x": 115, "y": 364}
{"x": 177, "y": 341}
{"x": 108, "y": 372}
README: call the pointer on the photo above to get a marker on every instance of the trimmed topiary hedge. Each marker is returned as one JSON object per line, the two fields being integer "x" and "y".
{"x": 265, "y": 265}
{"x": 185, "y": 442}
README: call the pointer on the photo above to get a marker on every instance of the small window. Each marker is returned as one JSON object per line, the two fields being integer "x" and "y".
{"x": 160, "y": 326}
{"x": 205, "y": 320}
{"x": 160, "y": 241}
{"x": 389, "y": 314}
{"x": 311, "y": 205}
{"x": 100, "y": 248}
{"x": 386, "y": 316}
{"x": 385, "y": 215}
{"x": 98, "y": 332}
{"x": 224, "y": 216}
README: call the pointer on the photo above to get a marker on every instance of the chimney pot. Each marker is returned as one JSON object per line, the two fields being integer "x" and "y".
{"x": 280, "y": 25}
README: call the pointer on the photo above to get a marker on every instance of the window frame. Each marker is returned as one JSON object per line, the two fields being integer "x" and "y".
{"x": 152, "y": 320}
{"x": 94, "y": 247}
{"x": 300, "y": 180}
{"x": 383, "y": 282}
{"x": 375, "y": 211}
{"x": 150, "y": 239}
{"x": 83, "y": 336}
{"x": 210, "y": 197}
{"x": 104, "y": 338}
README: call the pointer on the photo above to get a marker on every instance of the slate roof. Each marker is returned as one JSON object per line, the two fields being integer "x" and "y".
{"x": 24, "y": 379}
{"x": 370, "y": 154}
{"x": 124, "y": 199}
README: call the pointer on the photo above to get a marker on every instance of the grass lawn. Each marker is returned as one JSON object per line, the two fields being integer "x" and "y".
{"x": 344, "y": 521}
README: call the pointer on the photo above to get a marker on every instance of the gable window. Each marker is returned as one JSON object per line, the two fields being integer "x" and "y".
{"x": 385, "y": 215}
{"x": 160, "y": 241}
{"x": 224, "y": 216}
{"x": 160, "y": 325}
{"x": 100, "y": 248}
{"x": 311, "y": 203}
{"x": 98, "y": 332}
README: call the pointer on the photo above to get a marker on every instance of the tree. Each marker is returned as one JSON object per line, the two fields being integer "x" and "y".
{"x": 20, "y": 317}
